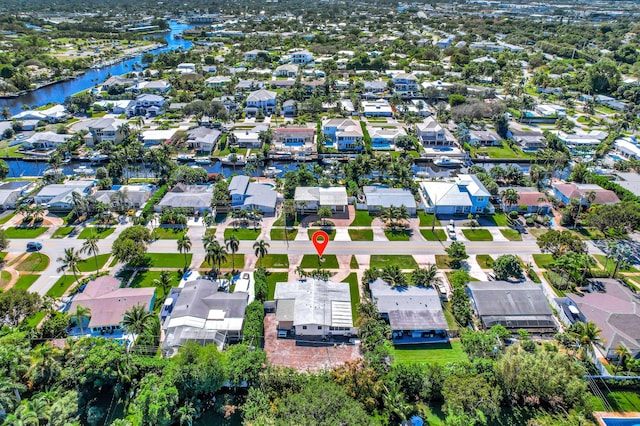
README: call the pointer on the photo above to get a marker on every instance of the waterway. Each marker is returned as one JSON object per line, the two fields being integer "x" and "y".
{"x": 60, "y": 91}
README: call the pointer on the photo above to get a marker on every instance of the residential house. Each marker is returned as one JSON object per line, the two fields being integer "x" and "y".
{"x": 11, "y": 192}
{"x": 301, "y": 57}
{"x": 628, "y": 147}
{"x": 630, "y": 182}
{"x": 186, "y": 68}
{"x": 312, "y": 198}
{"x": 377, "y": 108}
{"x": 229, "y": 102}
{"x": 203, "y": 139}
{"x": 614, "y": 311}
{"x": 377, "y": 198}
{"x": 200, "y": 313}
{"x": 286, "y": 70}
{"x": 282, "y": 84}
{"x": 249, "y": 85}
{"x": 375, "y": 87}
{"x": 565, "y": 192}
{"x": 289, "y": 108}
{"x": 530, "y": 201}
{"x": 253, "y": 54}
{"x": 295, "y": 141}
{"x": 109, "y": 303}
{"x": 156, "y": 86}
{"x": 196, "y": 197}
{"x": 45, "y": 140}
{"x": 217, "y": 81}
{"x": 314, "y": 308}
{"x": 463, "y": 195}
{"x": 55, "y": 114}
{"x": 430, "y": 132}
{"x": 414, "y": 313}
{"x": 149, "y": 104}
{"x": 60, "y": 197}
{"x": 105, "y": 129}
{"x": 515, "y": 306}
{"x": 384, "y": 138}
{"x": 247, "y": 195}
{"x": 529, "y": 141}
{"x": 129, "y": 196}
{"x": 484, "y": 138}
{"x": 575, "y": 140}
{"x": 249, "y": 138}
{"x": 344, "y": 134}
{"x": 117, "y": 80}
{"x": 117, "y": 107}
{"x": 405, "y": 83}
{"x": 261, "y": 99}
{"x": 157, "y": 137}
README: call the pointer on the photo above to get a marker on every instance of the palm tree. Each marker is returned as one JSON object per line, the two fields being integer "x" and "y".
{"x": 184, "y": 246}
{"x": 215, "y": 254}
{"x": 426, "y": 277}
{"x": 81, "y": 314}
{"x": 70, "y": 261}
{"x": 90, "y": 246}
{"x": 394, "y": 276}
{"x": 164, "y": 282}
{"x": 10, "y": 394}
{"x": 622, "y": 352}
{"x": 208, "y": 239}
{"x": 232, "y": 244}
{"x": 43, "y": 361}
{"x": 510, "y": 197}
{"x": 586, "y": 335}
{"x": 256, "y": 215}
{"x": 137, "y": 319}
{"x": 325, "y": 212}
{"x": 23, "y": 416}
{"x": 261, "y": 249}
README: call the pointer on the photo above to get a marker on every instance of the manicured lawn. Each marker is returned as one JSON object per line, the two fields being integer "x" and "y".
{"x": 95, "y": 230}
{"x": 363, "y": 218}
{"x": 536, "y": 232}
{"x": 34, "y": 262}
{"x": 500, "y": 219}
{"x": 426, "y": 219}
{"x": 272, "y": 279}
{"x": 63, "y": 231}
{"x": 542, "y": 260}
{"x": 611, "y": 265}
{"x": 442, "y": 261}
{"x": 167, "y": 260}
{"x": 403, "y": 261}
{"x": 228, "y": 264}
{"x": 5, "y": 279}
{"x": 277, "y": 261}
{"x": 394, "y": 235}
{"x": 501, "y": 152}
{"x": 89, "y": 264}
{"x": 354, "y": 291}
{"x": 624, "y": 401}
{"x": 485, "y": 261}
{"x": 477, "y": 234}
{"x": 59, "y": 288}
{"x": 28, "y": 232}
{"x": 278, "y": 234}
{"x": 436, "y": 235}
{"x": 330, "y": 231}
{"x": 511, "y": 234}
{"x": 590, "y": 234}
{"x": 449, "y": 274}
{"x": 448, "y": 315}
{"x": 25, "y": 281}
{"x": 353, "y": 263}
{"x": 310, "y": 261}
{"x": 437, "y": 353}
{"x": 34, "y": 320}
{"x": 242, "y": 233}
{"x": 146, "y": 278}
{"x": 7, "y": 218}
{"x": 361, "y": 234}
{"x": 169, "y": 233}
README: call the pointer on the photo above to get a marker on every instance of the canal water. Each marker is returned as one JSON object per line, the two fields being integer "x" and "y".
{"x": 59, "y": 92}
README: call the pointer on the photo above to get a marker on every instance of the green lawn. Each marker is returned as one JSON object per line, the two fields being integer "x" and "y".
{"x": 511, "y": 234}
{"x": 169, "y": 233}
{"x": 353, "y": 263}
{"x": 611, "y": 264}
{"x": 623, "y": 401}
{"x": 485, "y": 261}
{"x": 5, "y": 279}
{"x": 500, "y": 219}
{"x": 145, "y": 279}
{"x": 426, "y": 219}
{"x": 34, "y": 262}
{"x": 361, "y": 234}
{"x": 330, "y": 231}
{"x": 34, "y": 320}
{"x": 25, "y": 281}
{"x": 277, "y": 261}
{"x": 272, "y": 279}
{"x": 63, "y": 232}
{"x": 59, "y": 288}
{"x": 542, "y": 260}
{"x": 102, "y": 232}
{"x": 310, "y": 261}
{"x": 437, "y": 353}
{"x": 278, "y": 234}
{"x": 590, "y": 234}
{"x": 477, "y": 234}
{"x": 363, "y": 218}
{"x": 403, "y": 261}
{"x": 242, "y": 233}
{"x": 228, "y": 264}
{"x": 437, "y": 235}
{"x": 167, "y": 260}
{"x": 442, "y": 261}
{"x": 28, "y": 232}
{"x": 501, "y": 152}
{"x": 395, "y": 235}
{"x": 89, "y": 264}
{"x": 354, "y": 291}
{"x": 7, "y": 218}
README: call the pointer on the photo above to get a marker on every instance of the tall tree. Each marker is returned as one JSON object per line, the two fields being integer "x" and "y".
{"x": 164, "y": 282}
{"x": 137, "y": 319}
{"x": 232, "y": 244}
{"x": 90, "y": 246}
{"x": 81, "y": 313}
{"x": 70, "y": 261}
{"x": 261, "y": 249}
{"x": 184, "y": 246}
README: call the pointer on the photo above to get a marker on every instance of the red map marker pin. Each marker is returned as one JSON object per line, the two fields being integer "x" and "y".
{"x": 320, "y": 240}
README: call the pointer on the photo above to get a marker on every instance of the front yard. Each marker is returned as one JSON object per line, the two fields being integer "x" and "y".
{"x": 477, "y": 234}
{"x": 402, "y": 261}
{"x": 437, "y": 353}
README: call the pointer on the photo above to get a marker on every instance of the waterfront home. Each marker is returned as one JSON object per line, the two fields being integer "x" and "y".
{"x": 198, "y": 312}
{"x": 575, "y": 140}
{"x": 11, "y": 192}
{"x": 530, "y": 200}
{"x": 377, "y": 198}
{"x": 414, "y": 313}
{"x": 463, "y": 195}
{"x": 314, "y": 307}
{"x": 261, "y": 99}
{"x": 60, "y": 196}
{"x": 430, "y": 132}
{"x": 156, "y": 86}
{"x": 295, "y": 141}
{"x": 247, "y": 195}
{"x": 149, "y": 104}
{"x": 248, "y": 138}
{"x": 311, "y": 198}
{"x": 515, "y": 306}
{"x": 116, "y": 107}
{"x": 628, "y": 147}
{"x": 157, "y": 137}
{"x": 528, "y": 140}
{"x": 344, "y": 134}
{"x": 105, "y": 129}
{"x": 484, "y": 138}
{"x": 186, "y": 68}
{"x": 43, "y": 141}
{"x": 565, "y": 192}
{"x": 117, "y": 80}
{"x": 405, "y": 83}
{"x": 203, "y": 139}
{"x": 629, "y": 181}
{"x": 193, "y": 197}
{"x": 384, "y": 138}
{"x": 109, "y": 303}
{"x": 124, "y": 197}
{"x": 217, "y": 81}
{"x": 377, "y": 108}
{"x": 55, "y": 114}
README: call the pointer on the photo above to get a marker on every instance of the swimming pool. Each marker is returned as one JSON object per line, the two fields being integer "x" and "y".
{"x": 617, "y": 157}
{"x": 442, "y": 149}
{"x": 617, "y": 421}
{"x": 294, "y": 144}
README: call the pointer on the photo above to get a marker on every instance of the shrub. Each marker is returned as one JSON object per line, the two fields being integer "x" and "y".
{"x": 254, "y": 321}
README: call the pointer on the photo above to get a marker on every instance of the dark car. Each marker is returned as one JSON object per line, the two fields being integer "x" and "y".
{"x": 34, "y": 246}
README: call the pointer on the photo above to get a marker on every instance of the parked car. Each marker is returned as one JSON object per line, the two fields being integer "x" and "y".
{"x": 34, "y": 246}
